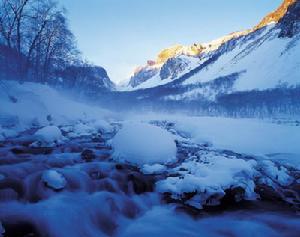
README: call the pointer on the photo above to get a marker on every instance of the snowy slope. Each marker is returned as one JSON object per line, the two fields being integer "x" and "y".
{"x": 40, "y": 105}
{"x": 267, "y": 61}
{"x": 152, "y": 76}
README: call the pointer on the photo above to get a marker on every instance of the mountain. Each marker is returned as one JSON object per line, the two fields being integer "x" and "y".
{"x": 266, "y": 56}
{"x": 88, "y": 78}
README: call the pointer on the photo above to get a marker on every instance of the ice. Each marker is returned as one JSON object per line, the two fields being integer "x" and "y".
{"x": 54, "y": 179}
{"x": 49, "y": 136}
{"x": 289, "y": 159}
{"x": 141, "y": 143}
{"x": 280, "y": 174}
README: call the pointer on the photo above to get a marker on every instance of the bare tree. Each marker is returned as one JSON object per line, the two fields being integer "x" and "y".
{"x": 37, "y": 30}
{"x": 11, "y": 19}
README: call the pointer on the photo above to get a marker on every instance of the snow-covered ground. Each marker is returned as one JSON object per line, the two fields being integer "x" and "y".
{"x": 71, "y": 169}
{"x": 248, "y": 136}
{"x": 40, "y": 105}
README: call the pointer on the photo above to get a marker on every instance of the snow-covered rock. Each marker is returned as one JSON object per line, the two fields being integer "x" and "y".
{"x": 81, "y": 129}
{"x": 153, "y": 169}
{"x": 6, "y": 132}
{"x": 48, "y": 136}
{"x": 141, "y": 143}
{"x": 209, "y": 178}
{"x": 54, "y": 179}
{"x": 86, "y": 128}
{"x": 101, "y": 125}
{"x": 173, "y": 67}
{"x": 142, "y": 75}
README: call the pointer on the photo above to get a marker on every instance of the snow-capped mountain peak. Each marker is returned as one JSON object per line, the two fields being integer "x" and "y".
{"x": 173, "y": 62}
{"x": 276, "y": 15}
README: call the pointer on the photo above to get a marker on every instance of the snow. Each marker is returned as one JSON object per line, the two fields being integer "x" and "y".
{"x": 291, "y": 160}
{"x": 101, "y": 125}
{"x": 157, "y": 81}
{"x": 280, "y": 174}
{"x": 86, "y": 128}
{"x": 40, "y": 105}
{"x": 210, "y": 178}
{"x": 260, "y": 138}
{"x": 49, "y": 135}
{"x": 248, "y": 136}
{"x": 268, "y": 61}
{"x": 53, "y": 179}
{"x": 141, "y": 143}
{"x": 264, "y": 58}
{"x": 149, "y": 142}
{"x": 81, "y": 129}
{"x": 153, "y": 169}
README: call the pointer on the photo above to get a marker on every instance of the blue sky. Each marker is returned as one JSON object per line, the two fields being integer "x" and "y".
{"x": 122, "y": 34}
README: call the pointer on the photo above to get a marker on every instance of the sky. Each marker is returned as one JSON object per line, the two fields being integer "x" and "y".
{"x": 120, "y": 35}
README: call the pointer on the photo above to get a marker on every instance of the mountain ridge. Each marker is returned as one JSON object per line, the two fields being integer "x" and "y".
{"x": 166, "y": 57}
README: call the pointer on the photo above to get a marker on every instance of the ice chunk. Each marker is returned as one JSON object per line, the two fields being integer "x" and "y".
{"x": 141, "y": 143}
{"x": 280, "y": 174}
{"x": 54, "y": 179}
